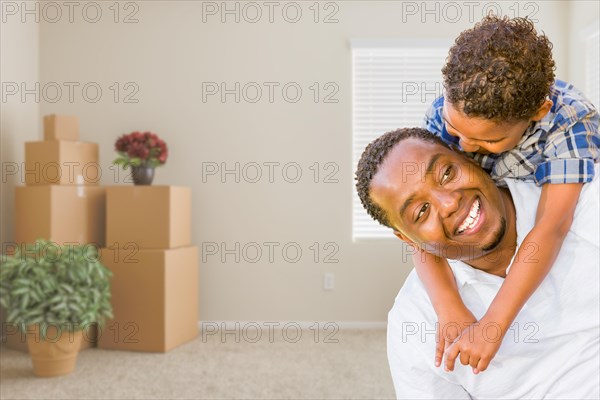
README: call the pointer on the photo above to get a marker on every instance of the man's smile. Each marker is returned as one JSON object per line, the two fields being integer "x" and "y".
{"x": 471, "y": 220}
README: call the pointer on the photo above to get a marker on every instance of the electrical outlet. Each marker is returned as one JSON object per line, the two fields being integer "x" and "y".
{"x": 328, "y": 281}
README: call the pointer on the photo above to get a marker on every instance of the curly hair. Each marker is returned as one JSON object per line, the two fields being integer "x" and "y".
{"x": 374, "y": 155}
{"x": 499, "y": 70}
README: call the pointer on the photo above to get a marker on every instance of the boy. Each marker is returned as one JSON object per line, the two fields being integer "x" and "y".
{"x": 503, "y": 107}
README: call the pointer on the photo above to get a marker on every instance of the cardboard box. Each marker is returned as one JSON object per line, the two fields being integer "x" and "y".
{"x": 149, "y": 217}
{"x": 13, "y": 338}
{"x": 154, "y": 299}
{"x": 61, "y": 127}
{"x": 61, "y": 162}
{"x": 60, "y": 213}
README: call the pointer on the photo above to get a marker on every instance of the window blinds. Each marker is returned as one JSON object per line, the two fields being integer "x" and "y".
{"x": 592, "y": 76}
{"x": 393, "y": 85}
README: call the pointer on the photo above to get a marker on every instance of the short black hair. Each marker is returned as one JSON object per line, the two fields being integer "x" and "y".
{"x": 374, "y": 155}
{"x": 500, "y": 70}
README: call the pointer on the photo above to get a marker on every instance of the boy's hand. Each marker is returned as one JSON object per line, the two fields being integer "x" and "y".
{"x": 450, "y": 325}
{"x": 477, "y": 346}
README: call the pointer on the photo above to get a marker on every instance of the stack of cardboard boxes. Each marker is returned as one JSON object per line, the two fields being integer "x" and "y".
{"x": 148, "y": 240}
{"x": 61, "y": 200}
{"x": 154, "y": 287}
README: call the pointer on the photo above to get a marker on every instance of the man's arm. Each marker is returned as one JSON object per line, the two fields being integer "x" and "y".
{"x": 553, "y": 220}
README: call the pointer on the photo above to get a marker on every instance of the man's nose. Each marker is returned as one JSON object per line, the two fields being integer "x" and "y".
{"x": 447, "y": 201}
{"x": 468, "y": 146}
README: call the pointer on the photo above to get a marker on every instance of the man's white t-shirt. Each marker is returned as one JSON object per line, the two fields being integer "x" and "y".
{"x": 552, "y": 349}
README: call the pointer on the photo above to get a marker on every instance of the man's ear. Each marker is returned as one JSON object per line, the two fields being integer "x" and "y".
{"x": 403, "y": 237}
{"x": 543, "y": 110}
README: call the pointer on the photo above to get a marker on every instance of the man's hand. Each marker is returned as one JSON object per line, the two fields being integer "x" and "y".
{"x": 477, "y": 346}
{"x": 450, "y": 325}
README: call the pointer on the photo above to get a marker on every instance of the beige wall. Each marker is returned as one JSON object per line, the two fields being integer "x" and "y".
{"x": 20, "y": 120}
{"x": 170, "y": 52}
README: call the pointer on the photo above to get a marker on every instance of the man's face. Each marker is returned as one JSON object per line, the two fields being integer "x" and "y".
{"x": 481, "y": 135}
{"x": 439, "y": 200}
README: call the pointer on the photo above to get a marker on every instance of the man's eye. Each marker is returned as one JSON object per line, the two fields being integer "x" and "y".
{"x": 422, "y": 210}
{"x": 446, "y": 174}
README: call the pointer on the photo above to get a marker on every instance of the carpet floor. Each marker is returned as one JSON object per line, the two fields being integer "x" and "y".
{"x": 212, "y": 368}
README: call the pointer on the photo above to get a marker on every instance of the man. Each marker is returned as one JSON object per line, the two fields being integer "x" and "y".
{"x": 413, "y": 183}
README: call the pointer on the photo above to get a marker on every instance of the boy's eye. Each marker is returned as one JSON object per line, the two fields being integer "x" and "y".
{"x": 424, "y": 208}
{"x": 451, "y": 130}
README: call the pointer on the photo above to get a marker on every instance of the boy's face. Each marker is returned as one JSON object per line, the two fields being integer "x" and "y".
{"x": 481, "y": 135}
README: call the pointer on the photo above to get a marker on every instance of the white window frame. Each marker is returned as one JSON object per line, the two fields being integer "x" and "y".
{"x": 363, "y": 226}
{"x": 591, "y": 38}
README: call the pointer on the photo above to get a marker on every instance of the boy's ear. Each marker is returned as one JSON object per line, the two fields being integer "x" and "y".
{"x": 543, "y": 110}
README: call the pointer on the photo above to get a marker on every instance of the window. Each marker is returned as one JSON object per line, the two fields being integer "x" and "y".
{"x": 592, "y": 66}
{"x": 393, "y": 84}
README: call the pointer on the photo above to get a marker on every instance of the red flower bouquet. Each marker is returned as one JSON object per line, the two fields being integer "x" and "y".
{"x": 141, "y": 149}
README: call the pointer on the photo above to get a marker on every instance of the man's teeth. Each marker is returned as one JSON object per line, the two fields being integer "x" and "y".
{"x": 471, "y": 219}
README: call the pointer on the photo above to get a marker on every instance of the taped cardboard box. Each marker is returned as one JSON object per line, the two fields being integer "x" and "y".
{"x": 148, "y": 217}
{"x": 61, "y": 162}
{"x": 60, "y": 213}
{"x": 61, "y": 127}
{"x": 154, "y": 298}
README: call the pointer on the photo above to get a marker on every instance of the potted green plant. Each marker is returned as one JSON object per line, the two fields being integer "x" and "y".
{"x": 53, "y": 293}
{"x": 142, "y": 152}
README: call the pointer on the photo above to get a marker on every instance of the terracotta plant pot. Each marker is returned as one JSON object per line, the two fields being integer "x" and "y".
{"x": 57, "y": 354}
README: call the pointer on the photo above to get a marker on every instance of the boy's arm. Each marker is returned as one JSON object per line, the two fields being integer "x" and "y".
{"x": 438, "y": 280}
{"x": 553, "y": 221}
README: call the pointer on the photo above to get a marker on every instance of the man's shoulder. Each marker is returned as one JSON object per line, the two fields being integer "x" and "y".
{"x": 412, "y": 296}
{"x": 586, "y": 216}
{"x": 412, "y": 284}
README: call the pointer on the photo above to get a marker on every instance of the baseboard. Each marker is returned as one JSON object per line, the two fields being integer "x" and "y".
{"x": 341, "y": 325}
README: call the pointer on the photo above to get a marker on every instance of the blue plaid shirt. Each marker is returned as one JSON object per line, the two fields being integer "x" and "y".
{"x": 560, "y": 148}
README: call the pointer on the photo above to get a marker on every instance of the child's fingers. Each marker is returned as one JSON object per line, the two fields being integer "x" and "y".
{"x": 439, "y": 349}
{"x": 451, "y": 353}
{"x": 482, "y": 365}
{"x": 464, "y": 358}
{"x": 473, "y": 362}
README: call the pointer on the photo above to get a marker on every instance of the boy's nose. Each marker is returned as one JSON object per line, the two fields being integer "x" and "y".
{"x": 467, "y": 146}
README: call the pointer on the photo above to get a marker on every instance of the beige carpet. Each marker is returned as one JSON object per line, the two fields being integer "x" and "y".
{"x": 355, "y": 367}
